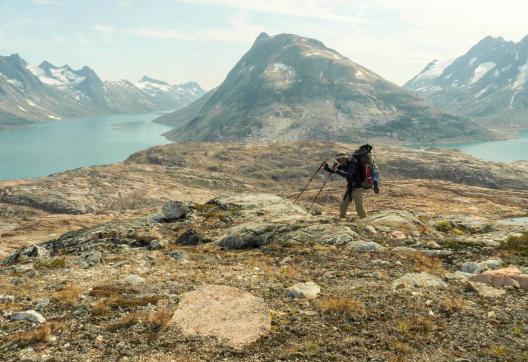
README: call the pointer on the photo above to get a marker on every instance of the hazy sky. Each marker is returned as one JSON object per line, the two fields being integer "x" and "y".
{"x": 183, "y": 40}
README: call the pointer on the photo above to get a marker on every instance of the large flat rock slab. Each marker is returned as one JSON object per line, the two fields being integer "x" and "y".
{"x": 225, "y": 312}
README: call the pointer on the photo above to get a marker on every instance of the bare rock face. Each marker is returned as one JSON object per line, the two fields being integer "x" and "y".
{"x": 219, "y": 311}
{"x": 504, "y": 277}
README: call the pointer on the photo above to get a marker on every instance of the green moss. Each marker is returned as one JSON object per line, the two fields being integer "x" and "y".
{"x": 444, "y": 225}
{"x": 518, "y": 245}
{"x": 53, "y": 263}
{"x": 213, "y": 211}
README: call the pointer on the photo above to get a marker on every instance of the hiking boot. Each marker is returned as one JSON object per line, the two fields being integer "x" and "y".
{"x": 376, "y": 188}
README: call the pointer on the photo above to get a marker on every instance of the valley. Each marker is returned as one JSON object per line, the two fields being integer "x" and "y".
{"x": 32, "y": 94}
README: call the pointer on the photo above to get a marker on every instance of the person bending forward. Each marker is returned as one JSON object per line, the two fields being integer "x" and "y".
{"x": 349, "y": 169}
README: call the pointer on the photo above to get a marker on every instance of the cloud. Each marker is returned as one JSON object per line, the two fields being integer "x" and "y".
{"x": 238, "y": 29}
{"x": 47, "y": 2}
{"x": 333, "y": 10}
{"x": 105, "y": 31}
{"x": 162, "y": 33}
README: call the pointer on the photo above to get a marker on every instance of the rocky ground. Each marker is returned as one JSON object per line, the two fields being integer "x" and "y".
{"x": 233, "y": 270}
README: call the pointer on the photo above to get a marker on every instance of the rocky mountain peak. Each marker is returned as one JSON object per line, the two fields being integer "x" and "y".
{"x": 45, "y": 65}
{"x": 262, "y": 36}
{"x": 16, "y": 60}
{"x": 291, "y": 87}
{"x": 488, "y": 82}
{"x": 152, "y": 80}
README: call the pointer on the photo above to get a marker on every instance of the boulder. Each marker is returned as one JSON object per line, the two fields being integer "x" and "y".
{"x": 397, "y": 234}
{"x": 365, "y": 246}
{"x": 470, "y": 267}
{"x": 431, "y": 244}
{"x": 505, "y": 277}
{"x": 477, "y": 268}
{"x": 156, "y": 245}
{"x": 473, "y": 224}
{"x": 42, "y": 303}
{"x": 29, "y": 315}
{"x": 179, "y": 255}
{"x": 228, "y": 313}
{"x": 494, "y": 263}
{"x": 92, "y": 258}
{"x": 485, "y": 291}
{"x": 309, "y": 290}
{"x": 33, "y": 251}
{"x": 418, "y": 280}
{"x": 192, "y": 237}
{"x": 436, "y": 253}
{"x": 133, "y": 279}
{"x": 6, "y": 299}
{"x": 173, "y": 210}
{"x": 248, "y": 235}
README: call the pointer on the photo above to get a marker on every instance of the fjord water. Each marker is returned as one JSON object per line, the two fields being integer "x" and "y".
{"x": 501, "y": 151}
{"x": 55, "y": 146}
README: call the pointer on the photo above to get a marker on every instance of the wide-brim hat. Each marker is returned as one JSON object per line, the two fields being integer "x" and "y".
{"x": 341, "y": 155}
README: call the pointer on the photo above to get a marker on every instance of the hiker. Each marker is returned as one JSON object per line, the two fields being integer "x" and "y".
{"x": 360, "y": 172}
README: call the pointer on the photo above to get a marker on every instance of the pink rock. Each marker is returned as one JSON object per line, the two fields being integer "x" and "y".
{"x": 510, "y": 276}
{"x": 228, "y": 313}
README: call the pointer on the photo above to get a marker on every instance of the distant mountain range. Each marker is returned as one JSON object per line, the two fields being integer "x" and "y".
{"x": 30, "y": 93}
{"x": 488, "y": 83}
{"x": 287, "y": 87}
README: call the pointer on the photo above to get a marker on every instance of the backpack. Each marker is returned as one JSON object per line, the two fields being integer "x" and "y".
{"x": 361, "y": 155}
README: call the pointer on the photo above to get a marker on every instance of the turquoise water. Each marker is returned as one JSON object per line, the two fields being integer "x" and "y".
{"x": 55, "y": 146}
{"x": 502, "y": 151}
{"x": 523, "y": 220}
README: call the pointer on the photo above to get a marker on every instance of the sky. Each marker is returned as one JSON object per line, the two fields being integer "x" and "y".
{"x": 201, "y": 40}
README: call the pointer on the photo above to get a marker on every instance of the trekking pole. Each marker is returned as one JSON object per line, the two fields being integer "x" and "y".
{"x": 321, "y": 189}
{"x": 306, "y": 185}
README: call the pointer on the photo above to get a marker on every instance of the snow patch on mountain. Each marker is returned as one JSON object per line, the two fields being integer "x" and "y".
{"x": 14, "y": 82}
{"x": 60, "y": 77}
{"x": 481, "y": 71}
{"x": 150, "y": 86}
{"x": 434, "y": 69}
{"x": 522, "y": 77}
{"x": 282, "y": 67}
{"x": 488, "y": 82}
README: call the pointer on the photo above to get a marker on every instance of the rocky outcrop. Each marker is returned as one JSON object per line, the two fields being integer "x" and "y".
{"x": 418, "y": 280}
{"x": 505, "y": 277}
{"x": 177, "y": 290}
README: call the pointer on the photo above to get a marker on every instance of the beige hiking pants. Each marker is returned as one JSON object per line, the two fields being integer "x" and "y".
{"x": 357, "y": 196}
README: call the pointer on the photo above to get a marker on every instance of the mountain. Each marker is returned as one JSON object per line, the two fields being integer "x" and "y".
{"x": 32, "y": 93}
{"x": 166, "y": 95}
{"x": 488, "y": 83}
{"x": 287, "y": 87}
{"x": 25, "y": 98}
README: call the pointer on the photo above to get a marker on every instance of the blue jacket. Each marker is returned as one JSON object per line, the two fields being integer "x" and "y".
{"x": 350, "y": 172}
